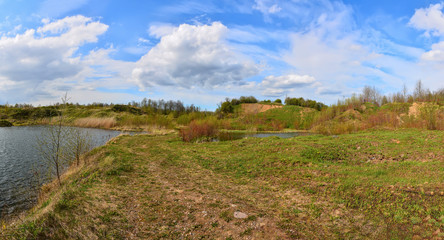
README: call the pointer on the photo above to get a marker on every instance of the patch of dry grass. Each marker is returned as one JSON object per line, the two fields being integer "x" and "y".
{"x": 106, "y": 123}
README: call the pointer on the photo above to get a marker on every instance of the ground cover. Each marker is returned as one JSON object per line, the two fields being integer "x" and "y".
{"x": 374, "y": 184}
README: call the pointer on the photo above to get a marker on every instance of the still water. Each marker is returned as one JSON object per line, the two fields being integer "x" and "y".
{"x": 21, "y": 165}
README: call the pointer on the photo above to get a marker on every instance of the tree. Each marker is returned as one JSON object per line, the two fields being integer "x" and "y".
{"x": 370, "y": 94}
{"x": 226, "y": 107}
{"x": 51, "y": 146}
{"x": 79, "y": 142}
{"x": 419, "y": 92}
{"x": 404, "y": 93}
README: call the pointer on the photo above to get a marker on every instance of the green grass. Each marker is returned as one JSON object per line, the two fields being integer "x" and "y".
{"x": 374, "y": 184}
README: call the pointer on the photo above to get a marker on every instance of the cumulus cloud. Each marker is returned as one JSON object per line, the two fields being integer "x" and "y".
{"x": 288, "y": 81}
{"x": 275, "y": 86}
{"x": 192, "y": 56}
{"x": 430, "y": 19}
{"x": 47, "y": 53}
{"x": 435, "y": 54}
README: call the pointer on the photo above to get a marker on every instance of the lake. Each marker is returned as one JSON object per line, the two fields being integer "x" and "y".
{"x": 20, "y": 160}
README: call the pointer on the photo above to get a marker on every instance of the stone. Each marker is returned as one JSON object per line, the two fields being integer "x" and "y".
{"x": 240, "y": 215}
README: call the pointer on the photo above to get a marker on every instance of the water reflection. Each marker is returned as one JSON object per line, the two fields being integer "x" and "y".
{"x": 21, "y": 166}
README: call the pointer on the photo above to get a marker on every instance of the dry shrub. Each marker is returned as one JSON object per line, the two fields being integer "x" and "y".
{"x": 199, "y": 130}
{"x": 382, "y": 118}
{"x": 95, "y": 122}
{"x": 277, "y": 125}
{"x": 426, "y": 116}
{"x": 336, "y": 128}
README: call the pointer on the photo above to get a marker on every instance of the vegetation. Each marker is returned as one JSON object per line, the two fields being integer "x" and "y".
{"x": 304, "y": 103}
{"x": 383, "y": 180}
{"x": 4, "y": 123}
{"x": 422, "y": 109}
{"x": 199, "y": 130}
{"x": 374, "y": 184}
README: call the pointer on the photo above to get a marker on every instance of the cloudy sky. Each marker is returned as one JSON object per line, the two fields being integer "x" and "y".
{"x": 204, "y": 51}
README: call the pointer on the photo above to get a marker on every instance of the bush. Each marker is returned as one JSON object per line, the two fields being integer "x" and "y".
{"x": 226, "y": 107}
{"x": 125, "y": 108}
{"x": 4, "y": 123}
{"x": 199, "y": 130}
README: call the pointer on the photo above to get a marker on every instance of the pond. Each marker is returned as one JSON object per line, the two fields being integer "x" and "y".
{"x": 21, "y": 164}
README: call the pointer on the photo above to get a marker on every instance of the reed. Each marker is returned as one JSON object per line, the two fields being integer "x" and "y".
{"x": 96, "y": 122}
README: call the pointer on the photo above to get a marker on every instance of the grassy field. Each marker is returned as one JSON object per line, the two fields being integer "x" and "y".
{"x": 374, "y": 185}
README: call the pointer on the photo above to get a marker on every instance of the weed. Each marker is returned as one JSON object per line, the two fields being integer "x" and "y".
{"x": 199, "y": 130}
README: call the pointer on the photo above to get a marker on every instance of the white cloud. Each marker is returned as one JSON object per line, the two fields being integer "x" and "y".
{"x": 161, "y": 30}
{"x": 193, "y": 56}
{"x": 430, "y": 19}
{"x": 276, "y": 86}
{"x": 435, "y": 54}
{"x": 45, "y": 58}
{"x": 56, "y": 8}
{"x": 288, "y": 81}
{"x": 266, "y": 7}
{"x": 343, "y": 59}
{"x": 47, "y": 54}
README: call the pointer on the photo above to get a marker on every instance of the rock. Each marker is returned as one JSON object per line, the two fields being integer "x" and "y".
{"x": 240, "y": 215}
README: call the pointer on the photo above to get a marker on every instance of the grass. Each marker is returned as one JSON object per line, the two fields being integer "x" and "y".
{"x": 90, "y": 122}
{"x": 374, "y": 184}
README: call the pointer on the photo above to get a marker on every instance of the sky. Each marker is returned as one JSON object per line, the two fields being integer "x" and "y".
{"x": 201, "y": 52}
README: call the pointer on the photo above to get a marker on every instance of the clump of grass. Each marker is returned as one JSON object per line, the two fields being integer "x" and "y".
{"x": 327, "y": 152}
{"x": 95, "y": 122}
{"x": 199, "y": 130}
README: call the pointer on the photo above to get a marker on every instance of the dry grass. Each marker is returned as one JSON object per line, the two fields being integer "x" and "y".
{"x": 204, "y": 130}
{"x": 96, "y": 122}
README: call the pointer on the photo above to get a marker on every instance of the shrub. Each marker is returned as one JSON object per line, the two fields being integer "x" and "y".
{"x": 226, "y": 107}
{"x": 4, "y": 123}
{"x": 199, "y": 130}
{"x": 125, "y": 108}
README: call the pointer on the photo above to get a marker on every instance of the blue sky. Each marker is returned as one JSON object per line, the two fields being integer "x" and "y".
{"x": 204, "y": 51}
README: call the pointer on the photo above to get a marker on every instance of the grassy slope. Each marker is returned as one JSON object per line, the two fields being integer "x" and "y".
{"x": 374, "y": 185}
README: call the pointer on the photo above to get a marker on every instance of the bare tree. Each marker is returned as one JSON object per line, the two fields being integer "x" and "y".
{"x": 419, "y": 91}
{"x": 404, "y": 93}
{"x": 370, "y": 94}
{"x": 79, "y": 143}
{"x": 51, "y": 144}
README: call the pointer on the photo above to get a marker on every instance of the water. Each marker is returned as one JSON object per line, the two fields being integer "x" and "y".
{"x": 21, "y": 165}
{"x": 226, "y": 136}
